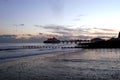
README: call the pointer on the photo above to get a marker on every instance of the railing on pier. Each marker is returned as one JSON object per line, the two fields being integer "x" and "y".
{"x": 75, "y": 41}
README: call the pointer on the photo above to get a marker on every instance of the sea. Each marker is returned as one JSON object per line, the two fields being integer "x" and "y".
{"x": 82, "y": 64}
{"x": 19, "y": 50}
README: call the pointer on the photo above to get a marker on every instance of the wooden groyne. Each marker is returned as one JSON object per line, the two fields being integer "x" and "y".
{"x": 47, "y": 47}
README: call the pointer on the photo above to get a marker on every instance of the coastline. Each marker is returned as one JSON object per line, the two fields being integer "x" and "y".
{"x": 60, "y": 66}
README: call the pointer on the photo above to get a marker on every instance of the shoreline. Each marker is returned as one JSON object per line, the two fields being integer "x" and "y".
{"x": 37, "y": 53}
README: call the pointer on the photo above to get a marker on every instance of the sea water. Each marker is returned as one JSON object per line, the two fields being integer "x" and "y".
{"x": 16, "y": 50}
{"x": 87, "y": 64}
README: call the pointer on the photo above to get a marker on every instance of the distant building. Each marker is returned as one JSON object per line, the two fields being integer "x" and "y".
{"x": 52, "y": 40}
{"x": 97, "y": 40}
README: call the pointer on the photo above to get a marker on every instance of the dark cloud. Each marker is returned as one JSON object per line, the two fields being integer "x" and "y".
{"x": 104, "y": 29}
{"x": 59, "y": 29}
{"x": 66, "y": 31}
{"x": 82, "y": 32}
{"x": 21, "y": 24}
{"x": 17, "y": 25}
{"x": 107, "y": 37}
{"x": 63, "y": 33}
{"x": 27, "y": 35}
{"x": 41, "y": 36}
{"x": 54, "y": 27}
{"x": 37, "y": 25}
{"x": 14, "y": 39}
{"x": 74, "y": 37}
{"x": 108, "y": 30}
{"x": 102, "y": 33}
{"x": 65, "y": 37}
{"x": 40, "y": 33}
{"x": 84, "y": 37}
{"x": 8, "y": 36}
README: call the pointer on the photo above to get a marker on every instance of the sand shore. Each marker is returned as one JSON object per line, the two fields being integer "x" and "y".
{"x": 60, "y": 66}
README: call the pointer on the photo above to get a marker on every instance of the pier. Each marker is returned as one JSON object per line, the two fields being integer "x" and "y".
{"x": 74, "y": 41}
{"x": 65, "y": 42}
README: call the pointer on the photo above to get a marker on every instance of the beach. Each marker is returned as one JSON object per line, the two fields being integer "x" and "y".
{"x": 74, "y": 65}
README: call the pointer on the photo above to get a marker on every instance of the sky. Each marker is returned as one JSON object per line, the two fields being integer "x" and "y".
{"x": 64, "y": 19}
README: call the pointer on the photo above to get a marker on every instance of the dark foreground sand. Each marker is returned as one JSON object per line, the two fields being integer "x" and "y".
{"x": 62, "y": 66}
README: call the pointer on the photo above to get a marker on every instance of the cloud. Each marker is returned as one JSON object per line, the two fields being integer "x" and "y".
{"x": 21, "y": 24}
{"x": 100, "y": 33}
{"x": 17, "y": 25}
{"x": 37, "y": 25}
{"x": 64, "y": 31}
{"x": 110, "y": 30}
{"x": 104, "y": 32}
{"x": 65, "y": 35}
{"x": 106, "y": 37}
{"x": 20, "y": 38}
{"x": 107, "y": 30}
{"x": 82, "y": 32}
{"x": 8, "y": 36}
{"x": 40, "y": 33}
{"x": 61, "y": 32}
{"x": 27, "y": 35}
{"x": 56, "y": 27}
{"x": 74, "y": 37}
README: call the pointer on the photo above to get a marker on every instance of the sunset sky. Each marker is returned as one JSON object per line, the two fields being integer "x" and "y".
{"x": 67, "y": 19}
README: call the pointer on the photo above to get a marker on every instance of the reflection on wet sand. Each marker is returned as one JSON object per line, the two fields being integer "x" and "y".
{"x": 87, "y": 64}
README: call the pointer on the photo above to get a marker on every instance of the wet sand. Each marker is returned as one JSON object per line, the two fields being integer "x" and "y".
{"x": 61, "y": 66}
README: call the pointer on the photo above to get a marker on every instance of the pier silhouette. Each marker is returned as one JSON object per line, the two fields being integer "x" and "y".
{"x": 56, "y": 41}
{"x": 93, "y": 43}
{"x": 101, "y": 43}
